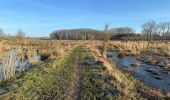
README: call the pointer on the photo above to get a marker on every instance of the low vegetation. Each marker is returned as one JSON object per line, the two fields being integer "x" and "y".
{"x": 126, "y": 84}
{"x": 51, "y": 80}
{"x": 156, "y": 53}
{"x": 79, "y": 70}
{"x": 96, "y": 82}
{"x": 135, "y": 48}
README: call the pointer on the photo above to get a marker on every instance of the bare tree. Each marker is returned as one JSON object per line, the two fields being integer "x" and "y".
{"x": 162, "y": 29}
{"x": 106, "y": 39}
{"x": 20, "y": 34}
{"x": 156, "y": 30}
{"x": 167, "y": 32}
{"x": 149, "y": 29}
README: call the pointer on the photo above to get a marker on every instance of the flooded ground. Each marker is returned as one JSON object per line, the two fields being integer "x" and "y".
{"x": 12, "y": 63}
{"x": 150, "y": 75}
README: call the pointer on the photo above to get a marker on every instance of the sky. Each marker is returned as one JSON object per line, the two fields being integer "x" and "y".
{"x": 38, "y": 18}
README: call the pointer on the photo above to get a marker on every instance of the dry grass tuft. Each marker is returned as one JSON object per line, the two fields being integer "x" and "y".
{"x": 135, "y": 47}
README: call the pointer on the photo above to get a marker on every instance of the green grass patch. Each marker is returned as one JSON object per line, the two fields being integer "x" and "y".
{"x": 96, "y": 83}
{"x": 48, "y": 81}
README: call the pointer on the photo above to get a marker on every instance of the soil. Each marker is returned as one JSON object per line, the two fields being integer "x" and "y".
{"x": 76, "y": 84}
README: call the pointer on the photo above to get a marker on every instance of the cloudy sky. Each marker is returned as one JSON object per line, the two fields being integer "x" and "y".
{"x": 38, "y": 18}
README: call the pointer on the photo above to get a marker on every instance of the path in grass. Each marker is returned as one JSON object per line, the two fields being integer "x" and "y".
{"x": 74, "y": 93}
{"x": 78, "y": 79}
{"x": 80, "y": 75}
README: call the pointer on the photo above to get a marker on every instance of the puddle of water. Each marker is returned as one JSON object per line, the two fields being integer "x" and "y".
{"x": 91, "y": 61}
{"x": 12, "y": 63}
{"x": 37, "y": 57}
{"x": 150, "y": 75}
{"x": 112, "y": 91}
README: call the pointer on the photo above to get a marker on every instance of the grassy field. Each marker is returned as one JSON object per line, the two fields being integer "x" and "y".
{"x": 77, "y": 70}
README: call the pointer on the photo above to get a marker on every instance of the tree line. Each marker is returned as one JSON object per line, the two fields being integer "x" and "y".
{"x": 77, "y": 34}
{"x": 156, "y": 31}
{"x": 150, "y": 31}
{"x": 88, "y": 34}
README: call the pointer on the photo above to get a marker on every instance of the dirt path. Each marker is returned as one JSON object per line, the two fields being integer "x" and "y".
{"x": 74, "y": 93}
{"x": 78, "y": 81}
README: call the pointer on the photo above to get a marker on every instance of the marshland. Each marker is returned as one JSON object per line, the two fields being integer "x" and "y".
{"x": 88, "y": 50}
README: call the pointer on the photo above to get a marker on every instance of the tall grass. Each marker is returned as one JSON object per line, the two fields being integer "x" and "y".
{"x": 8, "y": 67}
{"x": 135, "y": 47}
{"x": 50, "y": 48}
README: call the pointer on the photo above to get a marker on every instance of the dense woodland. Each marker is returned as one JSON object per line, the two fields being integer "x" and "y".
{"x": 76, "y": 34}
{"x": 91, "y": 34}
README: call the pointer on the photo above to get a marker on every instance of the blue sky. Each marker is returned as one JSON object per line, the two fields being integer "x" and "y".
{"x": 40, "y": 17}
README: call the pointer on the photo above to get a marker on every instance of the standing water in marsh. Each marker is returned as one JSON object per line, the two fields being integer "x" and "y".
{"x": 12, "y": 63}
{"x": 150, "y": 75}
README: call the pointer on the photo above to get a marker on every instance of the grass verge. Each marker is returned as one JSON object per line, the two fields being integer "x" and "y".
{"x": 50, "y": 80}
{"x": 96, "y": 83}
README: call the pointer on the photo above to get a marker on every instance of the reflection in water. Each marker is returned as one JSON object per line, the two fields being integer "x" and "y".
{"x": 12, "y": 63}
{"x": 152, "y": 76}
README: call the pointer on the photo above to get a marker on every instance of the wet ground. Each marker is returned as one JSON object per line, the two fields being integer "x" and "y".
{"x": 150, "y": 75}
{"x": 98, "y": 66}
{"x": 12, "y": 63}
{"x": 157, "y": 59}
